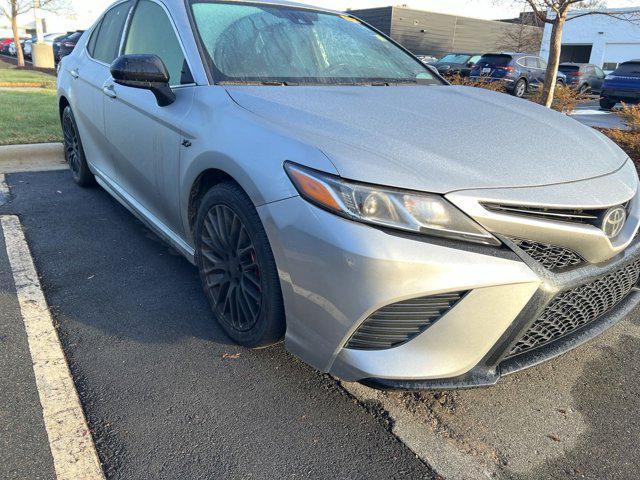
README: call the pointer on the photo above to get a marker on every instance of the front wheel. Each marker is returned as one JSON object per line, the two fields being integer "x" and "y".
{"x": 520, "y": 88}
{"x": 237, "y": 268}
{"x": 607, "y": 103}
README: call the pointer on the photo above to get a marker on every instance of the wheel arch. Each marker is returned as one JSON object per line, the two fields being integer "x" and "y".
{"x": 62, "y": 104}
{"x": 206, "y": 180}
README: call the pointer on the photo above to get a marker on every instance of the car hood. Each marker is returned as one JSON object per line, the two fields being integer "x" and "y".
{"x": 435, "y": 139}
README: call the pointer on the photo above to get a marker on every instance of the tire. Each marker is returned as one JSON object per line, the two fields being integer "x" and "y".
{"x": 520, "y": 88}
{"x": 585, "y": 89}
{"x": 607, "y": 103}
{"x": 237, "y": 268}
{"x": 74, "y": 152}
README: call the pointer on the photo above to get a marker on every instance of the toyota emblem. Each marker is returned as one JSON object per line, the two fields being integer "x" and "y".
{"x": 614, "y": 221}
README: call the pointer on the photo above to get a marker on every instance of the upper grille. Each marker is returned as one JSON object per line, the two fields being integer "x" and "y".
{"x": 551, "y": 257}
{"x": 578, "y": 307}
{"x": 401, "y": 322}
{"x": 576, "y": 216}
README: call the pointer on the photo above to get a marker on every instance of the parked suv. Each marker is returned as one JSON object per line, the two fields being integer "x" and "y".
{"x": 520, "y": 71}
{"x": 457, "y": 64}
{"x": 584, "y": 77}
{"x": 310, "y": 194}
{"x": 623, "y": 85}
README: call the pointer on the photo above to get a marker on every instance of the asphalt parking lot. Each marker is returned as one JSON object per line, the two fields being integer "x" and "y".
{"x": 166, "y": 395}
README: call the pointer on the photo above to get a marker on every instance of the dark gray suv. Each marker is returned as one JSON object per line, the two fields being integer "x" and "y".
{"x": 519, "y": 71}
{"x": 584, "y": 77}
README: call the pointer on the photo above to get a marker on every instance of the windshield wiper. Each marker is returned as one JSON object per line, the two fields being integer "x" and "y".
{"x": 274, "y": 83}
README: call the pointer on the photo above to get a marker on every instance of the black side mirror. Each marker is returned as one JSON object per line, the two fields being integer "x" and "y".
{"x": 147, "y": 72}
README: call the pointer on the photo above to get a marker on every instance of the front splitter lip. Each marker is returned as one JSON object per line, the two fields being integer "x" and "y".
{"x": 484, "y": 376}
{"x": 496, "y": 363}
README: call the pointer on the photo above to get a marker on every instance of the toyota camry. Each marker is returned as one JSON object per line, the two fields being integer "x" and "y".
{"x": 335, "y": 192}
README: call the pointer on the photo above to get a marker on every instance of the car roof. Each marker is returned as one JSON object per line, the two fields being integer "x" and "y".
{"x": 513, "y": 54}
{"x": 286, "y": 3}
{"x": 577, "y": 64}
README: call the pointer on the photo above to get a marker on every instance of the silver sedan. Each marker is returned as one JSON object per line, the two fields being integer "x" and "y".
{"x": 334, "y": 192}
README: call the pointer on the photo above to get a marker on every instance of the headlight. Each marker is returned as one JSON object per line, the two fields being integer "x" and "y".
{"x": 387, "y": 207}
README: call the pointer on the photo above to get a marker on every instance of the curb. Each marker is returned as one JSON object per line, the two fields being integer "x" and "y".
{"x": 36, "y": 157}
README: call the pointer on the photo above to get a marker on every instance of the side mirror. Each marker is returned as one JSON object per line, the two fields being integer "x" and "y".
{"x": 146, "y": 72}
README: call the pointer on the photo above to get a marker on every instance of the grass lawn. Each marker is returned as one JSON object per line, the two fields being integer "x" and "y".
{"x": 29, "y": 117}
{"x": 11, "y": 75}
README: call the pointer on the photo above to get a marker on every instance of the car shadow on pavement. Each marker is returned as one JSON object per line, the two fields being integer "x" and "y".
{"x": 165, "y": 392}
{"x": 109, "y": 273}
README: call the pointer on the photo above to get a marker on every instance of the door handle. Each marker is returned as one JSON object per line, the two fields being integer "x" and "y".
{"x": 75, "y": 73}
{"x": 109, "y": 91}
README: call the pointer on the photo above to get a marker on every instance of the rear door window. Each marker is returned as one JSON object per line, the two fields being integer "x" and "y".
{"x": 108, "y": 34}
{"x": 628, "y": 70}
{"x": 569, "y": 69}
{"x": 532, "y": 62}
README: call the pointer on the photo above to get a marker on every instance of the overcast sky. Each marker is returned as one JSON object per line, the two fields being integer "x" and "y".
{"x": 88, "y": 10}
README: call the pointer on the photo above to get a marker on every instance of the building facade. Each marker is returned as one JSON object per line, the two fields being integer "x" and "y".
{"x": 427, "y": 33}
{"x": 599, "y": 39}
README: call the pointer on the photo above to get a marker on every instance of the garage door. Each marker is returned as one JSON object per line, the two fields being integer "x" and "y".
{"x": 616, "y": 53}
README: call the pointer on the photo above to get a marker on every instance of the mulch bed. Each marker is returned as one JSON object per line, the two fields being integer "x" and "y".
{"x": 628, "y": 141}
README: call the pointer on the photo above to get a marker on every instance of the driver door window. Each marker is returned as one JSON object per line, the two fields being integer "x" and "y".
{"x": 151, "y": 32}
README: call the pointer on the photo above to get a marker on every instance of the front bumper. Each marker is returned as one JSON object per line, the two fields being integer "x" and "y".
{"x": 336, "y": 273}
{"x": 619, "y": 94}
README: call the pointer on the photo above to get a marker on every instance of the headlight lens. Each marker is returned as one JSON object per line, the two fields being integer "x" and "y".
{"x": 403, "y": 210}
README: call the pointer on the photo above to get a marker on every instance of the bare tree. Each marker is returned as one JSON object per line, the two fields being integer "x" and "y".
{"x": 521, "y": 37}
{"x": 12, "y": 9}
{"x": 557, "y": 13}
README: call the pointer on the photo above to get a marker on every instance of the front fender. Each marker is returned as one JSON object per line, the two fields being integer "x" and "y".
{"x": 228, "y": 138}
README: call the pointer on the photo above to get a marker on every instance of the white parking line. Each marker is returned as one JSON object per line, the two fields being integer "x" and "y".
{"x": 70, "y": 441}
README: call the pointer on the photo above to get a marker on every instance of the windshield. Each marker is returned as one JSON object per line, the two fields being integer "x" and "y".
{"x": 250, "y": 43}
{"x": 455, "y": 58}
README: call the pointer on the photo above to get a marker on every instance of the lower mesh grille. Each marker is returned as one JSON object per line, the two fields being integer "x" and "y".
{"x": 550, "y": 257}
{"x": 576, "y": 308}
{"x": 401, "y": 322}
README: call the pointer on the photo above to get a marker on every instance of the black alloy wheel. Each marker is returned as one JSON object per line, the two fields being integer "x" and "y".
{"x": 74, "y": 152}
{"x": 237, "y": 267}
{"x": 230, "y": 269}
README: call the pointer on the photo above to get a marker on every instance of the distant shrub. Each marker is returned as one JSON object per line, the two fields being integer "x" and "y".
{"x": 458, "y": 79}
{"x": 630, "y": 115}
{"x": 566, "y": 99}
{"x": 629, "y": 141}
